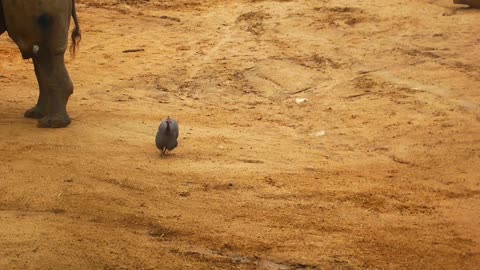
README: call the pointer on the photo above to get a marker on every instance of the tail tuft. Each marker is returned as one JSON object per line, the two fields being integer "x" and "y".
{"x": 76, "y": 34}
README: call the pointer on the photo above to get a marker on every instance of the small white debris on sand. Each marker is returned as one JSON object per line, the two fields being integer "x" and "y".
{"x": 320, "y": 133}
{"x": 300, "y": 100}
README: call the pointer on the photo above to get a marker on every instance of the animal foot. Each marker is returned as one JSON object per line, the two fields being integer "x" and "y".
{"x": 54, "y": 121}
{"x": 35, "y": 113}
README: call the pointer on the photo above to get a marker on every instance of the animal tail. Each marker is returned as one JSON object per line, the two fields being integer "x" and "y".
{"x": 76, "y": 34}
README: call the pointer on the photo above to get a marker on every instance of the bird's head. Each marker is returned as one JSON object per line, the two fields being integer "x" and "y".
{"x": 168, "y": 122}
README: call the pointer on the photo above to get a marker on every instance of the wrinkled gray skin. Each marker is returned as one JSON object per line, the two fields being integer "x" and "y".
{"x": 40, "y": 30}
{"x": 167, "y": 135}
{"x": 471, "y": 3}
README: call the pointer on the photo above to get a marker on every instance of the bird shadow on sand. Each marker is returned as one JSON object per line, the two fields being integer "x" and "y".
{"x": 167, "y": 155}
{"x": 158, "y": 155}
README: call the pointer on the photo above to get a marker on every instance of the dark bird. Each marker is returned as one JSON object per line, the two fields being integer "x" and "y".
{"x": 167, "y": 135}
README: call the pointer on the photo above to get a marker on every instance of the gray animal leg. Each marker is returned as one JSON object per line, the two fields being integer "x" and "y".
{"x": 40, "y": 110}
{"x": 57, "y": 88}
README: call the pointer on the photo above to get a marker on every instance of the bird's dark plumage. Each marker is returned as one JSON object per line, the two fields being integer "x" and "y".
{"x": 167, "y": 135}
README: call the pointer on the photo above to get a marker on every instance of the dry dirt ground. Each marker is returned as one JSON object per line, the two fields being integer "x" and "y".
{"x": 393, "y": 182}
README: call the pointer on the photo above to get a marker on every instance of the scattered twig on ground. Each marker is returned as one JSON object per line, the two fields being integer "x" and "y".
{"x": 133, "y": 50}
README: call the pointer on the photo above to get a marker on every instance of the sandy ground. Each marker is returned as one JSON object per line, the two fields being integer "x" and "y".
{"x": 378, "y": 169}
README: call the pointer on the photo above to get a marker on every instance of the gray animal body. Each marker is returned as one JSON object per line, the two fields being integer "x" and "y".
{"x": 167, "y": 135}
{"x": 40, "y": 30}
